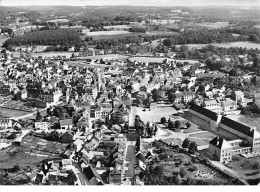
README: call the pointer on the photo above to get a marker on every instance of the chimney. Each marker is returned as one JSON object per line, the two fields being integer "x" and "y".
{"x": 219, "y": 118}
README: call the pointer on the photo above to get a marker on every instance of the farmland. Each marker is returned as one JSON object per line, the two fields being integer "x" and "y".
{"x": 54, "y": 54}
{"x": 97, "y": 35}
{"x": 214, "y": 25}
{"x": 248, "y": 45}
{"x": 159, "y": 59}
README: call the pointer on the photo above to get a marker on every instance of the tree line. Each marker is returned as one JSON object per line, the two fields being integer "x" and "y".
{"x": 47, "y": 37}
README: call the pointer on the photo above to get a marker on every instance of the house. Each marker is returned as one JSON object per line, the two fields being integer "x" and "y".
{"x": 66, "y": 124}
{"x": 223, "y": 149}
{"x": 92, "y": 175}
{"x": 256, "y": 99}
{"x": 229, "y": 105}
{"x": 6, "y": 123}
{"x": 115, "y": 177}
{"x": 220, "y": 148}
{"x": 50, "y": 96}
{"x": 43, "y": 126}
{"x": 238, "y": 96}
{"x": 67, "y": 137}
{"x": 212, "y": 105}
{"x": 153, "y": 106}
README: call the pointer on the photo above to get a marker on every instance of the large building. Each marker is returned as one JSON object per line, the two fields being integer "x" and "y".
{"x": 234, "y": 137}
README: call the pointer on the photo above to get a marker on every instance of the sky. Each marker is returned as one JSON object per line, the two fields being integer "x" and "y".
{"x": 252, "y": 3}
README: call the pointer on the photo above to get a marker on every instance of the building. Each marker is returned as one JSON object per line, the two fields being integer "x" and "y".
{"x": 66, "y": 124}
{"x": 243, "y": 139}
{"x": 67, "y": 137}
{"x": 6, "y": 123}
{"x": 223, "y": 150}
{"x": 43, "y": 126}
{"x": 212, "y": 105}
{"x": 50, "y": 96}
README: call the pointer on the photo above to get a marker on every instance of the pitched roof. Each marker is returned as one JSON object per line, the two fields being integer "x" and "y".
{"x": 220, "y": 143}
{"x": 238, "y": 126}
{"x": 208, "y": 113}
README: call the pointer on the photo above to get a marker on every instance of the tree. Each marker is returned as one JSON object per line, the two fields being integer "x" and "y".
{"x": 183, "y": 172}
{"x": 163, "y": 120}
{"x": 171, "y": 97}
{"x": 177, "y": 180}
{"x": 177, "y": 124}
{"x": 155, "y": 95}
{"x": 193, "y": 147}
{"x": 158, "y": 170}
{"x": 170, "y": 124}
{"x": 72, "y": 177}
{"x": 38, "y": 116}
{"x": 16, "y": 168}
{"x": 253, "y": 37}
{"x": 186, "y": 143}
{"x": 188, "y": 124}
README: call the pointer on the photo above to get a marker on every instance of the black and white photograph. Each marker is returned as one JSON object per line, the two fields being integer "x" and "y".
{"x": 129, "y": 92}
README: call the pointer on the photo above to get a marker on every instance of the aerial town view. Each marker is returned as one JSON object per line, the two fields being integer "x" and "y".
{"x": 158, "y": 92}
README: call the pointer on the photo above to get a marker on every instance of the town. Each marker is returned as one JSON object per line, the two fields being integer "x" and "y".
{"x": 176, "y": 108}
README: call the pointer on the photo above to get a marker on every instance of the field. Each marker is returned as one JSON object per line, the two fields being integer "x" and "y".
{"x": 204, "y": 135}
{"x": 159, "y": 59}
{"x": 248, "y": 45}
{"x": 214, "y": 25}
{"x": 170, "y": 33}
{"x": 18, "y": 157}
{"x": 58, "y": 20}
{"x": 54, "y": 54}
{"x": 117, "y": 27}
{"x": 13, "y": 113}
{"x": 155, "y": 115}
{"x": 97, "y": 35}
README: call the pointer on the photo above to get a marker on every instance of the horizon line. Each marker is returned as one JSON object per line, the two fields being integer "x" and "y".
{"x": 253, "y": 6}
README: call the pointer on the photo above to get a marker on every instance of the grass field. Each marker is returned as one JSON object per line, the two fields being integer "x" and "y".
{"x": 97, "y": 35}
{"x": 248, "y": 45}
{"x": 18, "y": 157}
{"x": 206, "y": 135}
{"x": 160, "y": 59}
{"x": 214, "y": 25}
{"x": 13, "y": 113}
{"x": 54, "y": 54}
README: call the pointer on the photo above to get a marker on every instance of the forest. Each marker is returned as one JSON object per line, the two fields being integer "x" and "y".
{"x": 47, "y": 37}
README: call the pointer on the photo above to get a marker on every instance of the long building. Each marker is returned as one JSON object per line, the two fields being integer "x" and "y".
{"x": 233, "y": 137}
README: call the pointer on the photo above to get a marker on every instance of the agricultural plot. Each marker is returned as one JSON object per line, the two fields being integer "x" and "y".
{"x": 214, "y": 25}
{"x": 160, "y": 59}
{"x": 54, "y": 54}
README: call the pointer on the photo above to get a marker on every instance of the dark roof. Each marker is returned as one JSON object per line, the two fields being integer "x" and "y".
{"x": 90, "y": 172}
{"x": 208, "y": 113}
{"x": 237, "y": 126}
{"x": 217, "y": 142}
